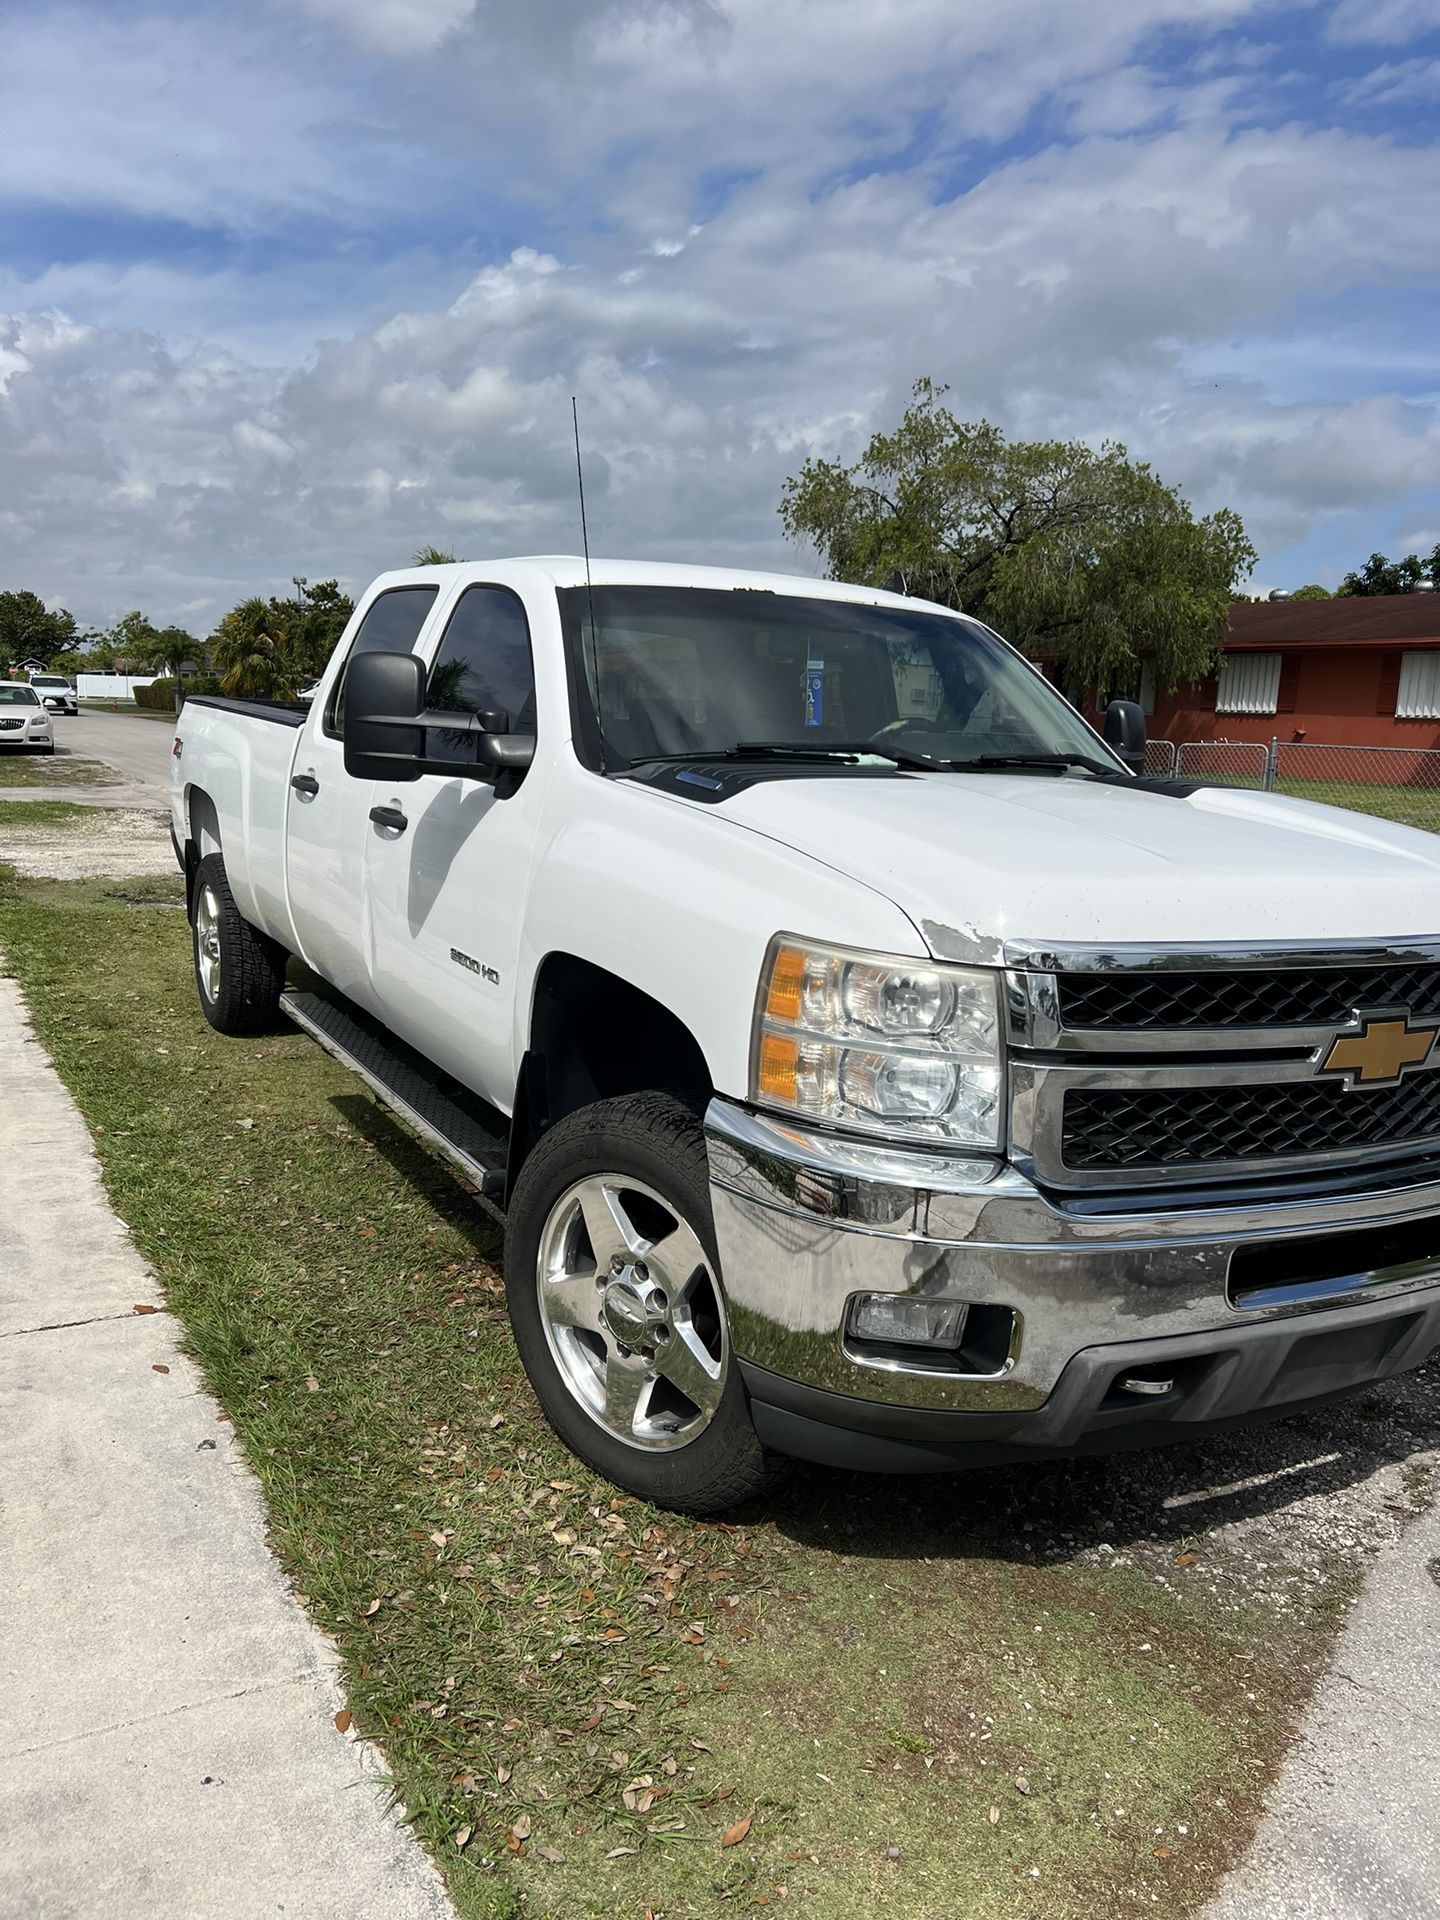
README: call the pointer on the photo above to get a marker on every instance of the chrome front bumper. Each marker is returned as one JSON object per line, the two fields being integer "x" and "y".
{"x": 804, "y": 1220}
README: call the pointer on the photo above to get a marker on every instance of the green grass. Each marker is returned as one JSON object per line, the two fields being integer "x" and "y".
{"x": 42, "y": 813}
{"x": 579, "y": 1696}
{"x": 1411, "y": 806}
{"x": 53, "y": 770}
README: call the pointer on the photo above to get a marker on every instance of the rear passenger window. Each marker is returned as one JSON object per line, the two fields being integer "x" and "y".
{"x": 483, "y": 666}
{"x": 391, "y": 625}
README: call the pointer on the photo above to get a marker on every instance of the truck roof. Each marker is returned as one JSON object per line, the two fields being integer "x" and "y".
{"x": 568, "y": 570}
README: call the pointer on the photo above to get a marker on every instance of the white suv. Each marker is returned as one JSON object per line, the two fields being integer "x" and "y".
{"x": 56, "y": 692}
{"x": 23, "y": 720}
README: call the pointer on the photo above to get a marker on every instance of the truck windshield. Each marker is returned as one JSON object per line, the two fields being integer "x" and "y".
{"x": 693, "y": 671}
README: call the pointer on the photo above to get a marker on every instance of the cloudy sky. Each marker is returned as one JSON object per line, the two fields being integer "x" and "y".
{"x": 297, "y": 285}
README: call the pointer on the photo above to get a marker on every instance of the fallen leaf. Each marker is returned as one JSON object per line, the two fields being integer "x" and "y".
{"x": 618, "y": 1853}
{"x": 462, "y": 1838}
{"x": 245, "y": 1126}
{"x": 156, "y": 1367}
{"x": 1188, "y": 1560}
{"x": 145, "y": 1309}
{"x": 521, "y": 1827}
{"x": 374, "y": 1607}
{"x": 342, "y": 1721}
{"x": 502, "y": 1774}
{"x": 549, "y": 1853}
{"x": 1022, "y": 1785}
{"x": 495, "y": 1420}
{"x": 312, "y": 1385}
{"x": 732, "y": 1836}
{"x": 994, "y": 1816}
{"x": 1162, "y": 1853}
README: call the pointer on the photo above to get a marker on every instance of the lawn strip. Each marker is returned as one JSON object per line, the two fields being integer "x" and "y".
{"x": 54, "y": 770}
{"x": 579, "y": 1697}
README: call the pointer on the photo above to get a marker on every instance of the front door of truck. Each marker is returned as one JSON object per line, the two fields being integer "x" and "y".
{"x": 327, "y": 823}
{"x": 447, "y": 888}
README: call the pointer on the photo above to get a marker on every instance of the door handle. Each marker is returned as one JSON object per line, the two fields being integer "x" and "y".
{"x": 390, "y": 817}
{"x": 305, "y": 783}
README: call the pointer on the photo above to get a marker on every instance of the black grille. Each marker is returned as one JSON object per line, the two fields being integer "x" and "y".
{"x": 1262, "y": 997}
{"x": 1157, "y": 1127}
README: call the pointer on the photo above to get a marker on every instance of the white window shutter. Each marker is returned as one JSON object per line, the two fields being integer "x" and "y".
{"x": 1249, "y": 683}
{"x": 1419, "y": 695}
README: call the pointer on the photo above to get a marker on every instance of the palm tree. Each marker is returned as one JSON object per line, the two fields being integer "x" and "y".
{"x": 251, "y": 653}
{"x": 169, "y": 649}
{"x": 432, "y": 556}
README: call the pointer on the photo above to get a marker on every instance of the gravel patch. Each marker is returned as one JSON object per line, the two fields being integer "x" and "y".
{"x": 110, "y": 844}
{"x": 1283, "y": 1520}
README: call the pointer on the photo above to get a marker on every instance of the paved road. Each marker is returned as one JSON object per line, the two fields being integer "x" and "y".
{"x": 167, "y": 1738}
{"x": 138, "y": 749}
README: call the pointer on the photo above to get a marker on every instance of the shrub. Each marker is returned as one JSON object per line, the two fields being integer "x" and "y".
{"x": 160, "y": 694}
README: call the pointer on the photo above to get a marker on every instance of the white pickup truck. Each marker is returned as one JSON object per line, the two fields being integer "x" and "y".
{"x": 869, "y": 1065}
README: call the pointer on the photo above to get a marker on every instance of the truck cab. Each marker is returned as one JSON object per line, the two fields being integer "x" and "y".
{"x": 868, "y": 1065}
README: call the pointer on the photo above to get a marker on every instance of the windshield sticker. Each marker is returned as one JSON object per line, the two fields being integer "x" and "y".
{"x": 815, "y": 688}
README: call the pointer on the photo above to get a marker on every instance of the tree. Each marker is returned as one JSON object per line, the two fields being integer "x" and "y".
{"x": 1379, "y": 575}
{"x": 1312, "y": 592}
{"x": 1067, "y": 550}
{"x": 431, "y": 556}
{"x": 29, "y": 630}
{"x": 169, "y": 650}
{"x": 272, "y": 649}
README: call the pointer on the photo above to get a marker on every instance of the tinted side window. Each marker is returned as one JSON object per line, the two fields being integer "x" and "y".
{"x": 392, "y": 625}
{"x": 483, "y": 663}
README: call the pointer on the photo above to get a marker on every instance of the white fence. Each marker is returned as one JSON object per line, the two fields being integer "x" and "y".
{"x": 111, "y": 686}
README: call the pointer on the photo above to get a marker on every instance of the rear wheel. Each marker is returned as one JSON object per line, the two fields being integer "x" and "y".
{"x": 618, "y": 1308}
{"x": 239, "y": 971}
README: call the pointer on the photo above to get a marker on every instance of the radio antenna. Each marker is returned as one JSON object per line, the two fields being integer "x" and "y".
{"x": 589, "y": 588}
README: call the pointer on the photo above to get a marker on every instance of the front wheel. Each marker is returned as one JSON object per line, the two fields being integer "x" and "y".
{"x": 239, "y": 971}
{"x": 618, "y": 1309}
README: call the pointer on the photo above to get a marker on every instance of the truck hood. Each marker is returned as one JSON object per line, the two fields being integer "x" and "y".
{"x": 978, "y": 860}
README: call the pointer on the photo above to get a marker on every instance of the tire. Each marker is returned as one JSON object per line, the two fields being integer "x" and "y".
{"x": 599, "y": 1353}
{"x": 239, "y": 971}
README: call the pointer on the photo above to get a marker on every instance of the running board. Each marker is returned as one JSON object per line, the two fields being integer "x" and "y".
{"x": 434, "y": 1116}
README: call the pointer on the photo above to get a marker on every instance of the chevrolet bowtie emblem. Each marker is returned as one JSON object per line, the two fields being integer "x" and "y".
{"x": 1379, "y": 1053}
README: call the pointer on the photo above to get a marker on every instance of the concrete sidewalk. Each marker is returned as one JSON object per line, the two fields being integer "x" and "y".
{"x": 1353, "y": 1825}
{"x": 167, "y": 1745}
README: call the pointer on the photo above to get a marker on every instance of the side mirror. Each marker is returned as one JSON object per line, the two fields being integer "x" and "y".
{"x": 1125, "y": 732}
{"x": 384, "y": 697}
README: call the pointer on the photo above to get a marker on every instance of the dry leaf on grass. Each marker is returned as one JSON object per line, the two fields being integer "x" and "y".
{"x": 732, "y": 1836}
{"x": 462, "y": 1838}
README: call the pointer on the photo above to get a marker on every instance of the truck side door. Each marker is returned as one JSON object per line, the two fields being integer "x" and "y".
{"x": 327, "y": 826}
{"x": 447, "y": 890}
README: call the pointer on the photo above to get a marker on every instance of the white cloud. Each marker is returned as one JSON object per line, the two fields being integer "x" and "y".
{"x": 1383, "y": 20}
{"x": 761, "y": 221}
{"x": 1395, "y": 83}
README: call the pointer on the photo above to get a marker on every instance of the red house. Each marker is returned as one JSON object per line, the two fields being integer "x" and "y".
{"x": 1353, "y": 672}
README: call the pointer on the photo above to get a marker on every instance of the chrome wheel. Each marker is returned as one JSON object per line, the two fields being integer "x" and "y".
{"x": 632, "y": 1312}
{"x": 207, "y": 943}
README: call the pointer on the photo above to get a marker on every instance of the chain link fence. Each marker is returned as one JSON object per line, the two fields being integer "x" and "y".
{"x": 1394, "y": 783}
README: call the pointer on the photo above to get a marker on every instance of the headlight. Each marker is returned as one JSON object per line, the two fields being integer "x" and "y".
{"x": 879, "y": 1045}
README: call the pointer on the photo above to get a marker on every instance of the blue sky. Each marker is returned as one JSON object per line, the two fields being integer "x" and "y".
{"x": 294, "y": 287}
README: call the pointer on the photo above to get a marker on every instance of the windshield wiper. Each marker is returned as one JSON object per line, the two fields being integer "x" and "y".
{"x": 1057, "y": 760}
{"x": 799, "y": 751}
